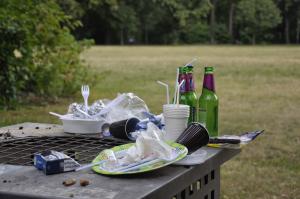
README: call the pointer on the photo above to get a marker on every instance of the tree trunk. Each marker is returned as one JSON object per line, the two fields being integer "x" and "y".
{"x": 146, "y": 34}
{"x": 122, "y": 36}
{"x": 286, "y": 30}
{"x": 230, "y": 20}
{"x": 298, "y": 31}
{"x": 107, "y": 37}
{"x": 213, "y": 22}
{"x": 253, "y": 39}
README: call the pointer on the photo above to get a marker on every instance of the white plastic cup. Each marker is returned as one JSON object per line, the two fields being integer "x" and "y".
{"x": 176, "y": 119}
{"x": 175, "y": 107}
{"x": 170, "y": 113}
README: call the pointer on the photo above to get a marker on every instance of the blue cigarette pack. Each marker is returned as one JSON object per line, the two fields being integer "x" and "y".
{"x": 52, "y": 162}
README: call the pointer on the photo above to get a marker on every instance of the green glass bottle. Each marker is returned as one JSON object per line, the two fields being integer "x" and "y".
{"x": 188, "y": 95}
{"x": 209, "y": 103}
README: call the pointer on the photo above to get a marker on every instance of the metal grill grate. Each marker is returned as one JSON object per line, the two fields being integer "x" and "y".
{"x": 82, "y": 148}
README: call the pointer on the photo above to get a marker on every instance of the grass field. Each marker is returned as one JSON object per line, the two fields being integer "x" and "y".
{"x": 258, "y": 88}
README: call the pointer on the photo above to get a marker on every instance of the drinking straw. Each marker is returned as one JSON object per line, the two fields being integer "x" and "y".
{"x": 176, "y": 84}
{"x": 178, "y": 90}
{"x": 192, "y": 61}
{"x": 167, "y": 90}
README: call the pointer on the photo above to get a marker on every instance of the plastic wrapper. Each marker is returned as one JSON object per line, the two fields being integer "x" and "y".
{"x": 156, "y": 119}
{"x": 245, "y": 138}
{"x": 79, "y": 110}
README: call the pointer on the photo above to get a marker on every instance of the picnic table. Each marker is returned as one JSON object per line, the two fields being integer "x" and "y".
{"x": 180, "y": 182}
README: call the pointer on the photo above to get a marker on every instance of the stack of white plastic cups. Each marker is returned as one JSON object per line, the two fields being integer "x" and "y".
{"x": 176, "y": 119}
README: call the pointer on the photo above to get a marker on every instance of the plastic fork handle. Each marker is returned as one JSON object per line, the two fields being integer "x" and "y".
{"x": 88, "y": 165}
{"x": 85, "y": 102}
{"x": 139, "y": 165}
{"x": 223, "y": 141}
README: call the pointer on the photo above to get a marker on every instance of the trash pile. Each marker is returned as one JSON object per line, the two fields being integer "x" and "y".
{"x": 124, "y": 106}
{"x": 97, "y": 117}
{"x": 186, "y": 124}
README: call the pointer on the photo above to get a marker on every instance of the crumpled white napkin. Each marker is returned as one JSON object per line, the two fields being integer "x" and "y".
{"x": 149, "y": 143}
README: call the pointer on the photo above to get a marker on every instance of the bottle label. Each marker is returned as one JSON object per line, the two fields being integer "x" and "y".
{"x": 202, "y": 116}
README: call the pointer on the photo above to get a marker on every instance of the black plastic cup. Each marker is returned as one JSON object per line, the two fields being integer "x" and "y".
{"x": 122, "y": 129}
{"x": 194, "y": 137}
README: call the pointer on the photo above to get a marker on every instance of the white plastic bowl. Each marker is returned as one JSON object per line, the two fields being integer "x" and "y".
{"x": 82, "y": 126}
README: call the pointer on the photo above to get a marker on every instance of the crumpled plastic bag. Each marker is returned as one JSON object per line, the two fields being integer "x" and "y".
{"x": 125, "y": 106}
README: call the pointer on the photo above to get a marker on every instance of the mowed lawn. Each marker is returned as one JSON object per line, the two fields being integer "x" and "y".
{"x": 258, "y": 88}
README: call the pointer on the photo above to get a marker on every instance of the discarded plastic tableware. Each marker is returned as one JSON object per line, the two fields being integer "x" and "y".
{"x": 176, "y": 119}
{"x": 167, "y": 90}
{"x": 102, "y": 112}
{"x": 85, "y": 92}
{"x": 176, "y": 85}
{"x": 178, "y": 91}
{"x": 191, "y": 62}
{"x": 56, "y": 114}
{"x": 122, "y": 129}
{"x": 110, "y": 157}
{"x": 148, "y": 153}
{"x": 145, "y": 165}
{"x": 194, "y": 137}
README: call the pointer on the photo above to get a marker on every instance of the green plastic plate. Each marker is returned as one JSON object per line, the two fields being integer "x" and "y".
{"x": 181, "y": 150}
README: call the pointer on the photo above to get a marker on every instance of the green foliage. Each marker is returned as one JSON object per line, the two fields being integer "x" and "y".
{"x": 177, "y": 21}
{"x": 150, "y": 21}
{"x": 37, "y": 52}
{"x": 256, "y": 17}
{"x": 221, "y": 33}
{"x": 196, "y": 33}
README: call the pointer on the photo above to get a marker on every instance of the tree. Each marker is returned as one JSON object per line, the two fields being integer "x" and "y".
{"x": 186, "y": 14}
{"x": 177, "y": 21}
{"x": 290, "y": 26}
{"x": 298, "y": 25}
{"x": 213, "y": 21}
{"x": 38, "y": 54}
{"x": 126, "y": 21}
{"x": 147, "y": 13}
{"x": 231, "y": 13}
{"x": 255, "y": 17}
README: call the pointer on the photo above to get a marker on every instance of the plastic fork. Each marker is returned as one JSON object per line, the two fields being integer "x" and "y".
{"x": 85, "y": 92}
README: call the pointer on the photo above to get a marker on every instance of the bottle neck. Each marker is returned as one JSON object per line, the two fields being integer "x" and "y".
{"x": 181, "y": 77}
{"x": 208, "y": 82}
{"x": 190, "y": 87}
